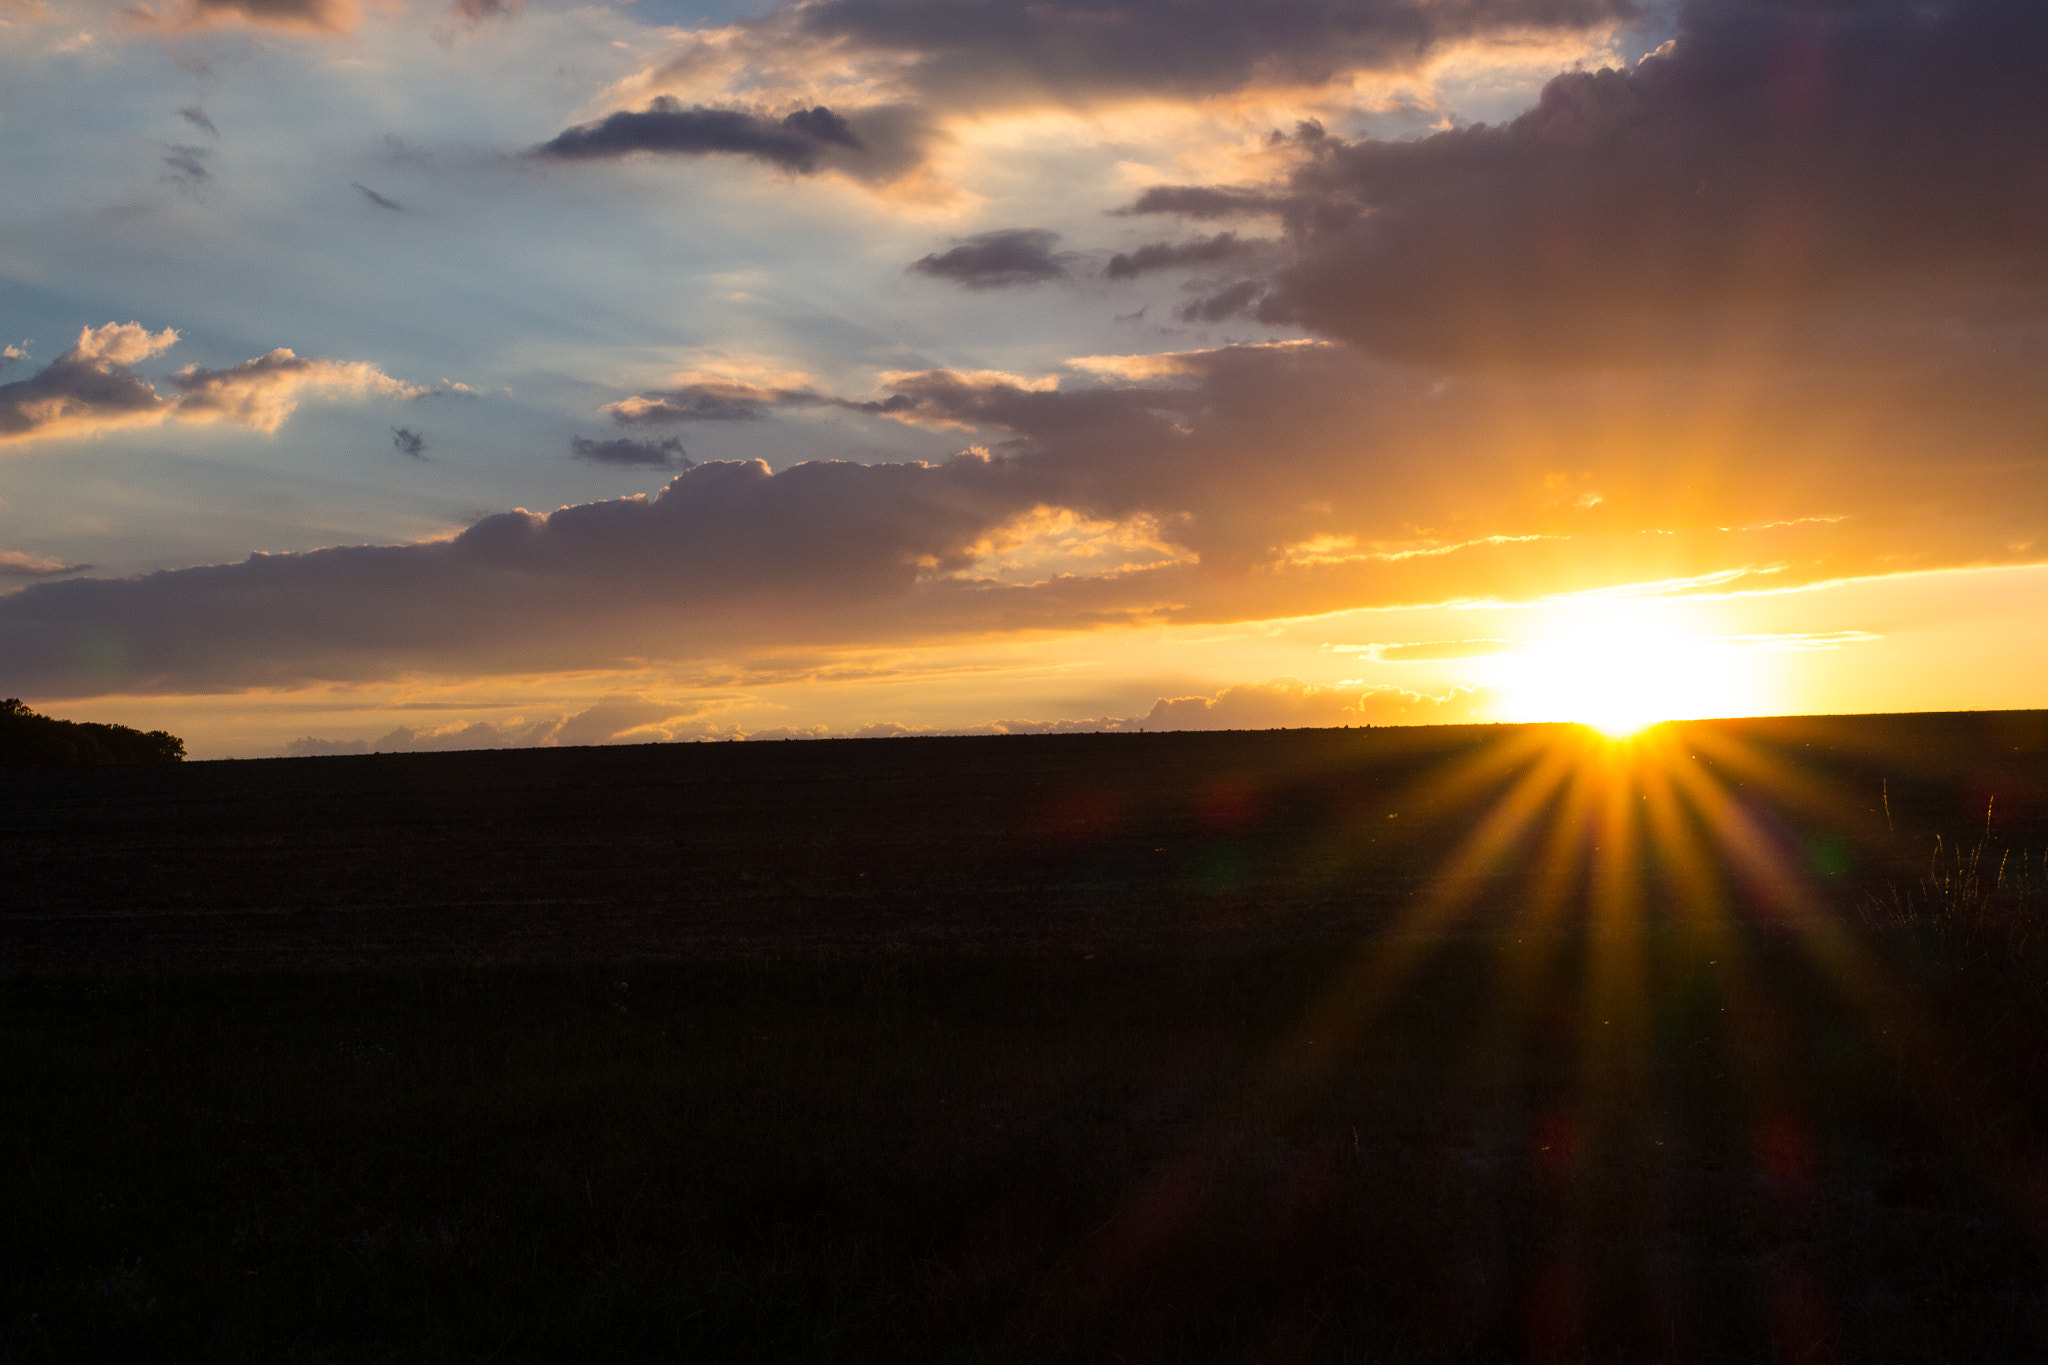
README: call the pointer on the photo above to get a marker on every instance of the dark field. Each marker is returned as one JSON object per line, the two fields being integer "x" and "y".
{"x": 1487, "y": 1043}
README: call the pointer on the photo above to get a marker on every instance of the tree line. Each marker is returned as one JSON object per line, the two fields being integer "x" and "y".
{"x": 31, "y": 740}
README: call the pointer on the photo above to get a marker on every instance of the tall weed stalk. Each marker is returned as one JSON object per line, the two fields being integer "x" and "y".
{"x": 1973, "y": 907}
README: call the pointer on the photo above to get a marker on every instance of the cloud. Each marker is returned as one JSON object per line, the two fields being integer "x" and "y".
{"x": 325, "y": 18}
{"x": 1138, "y": 369}
{"x": 379, "y": 200}
{"x": 1205, "y": 201}
{"x": 1229, "y": 302}
{"x": 264, "y": 392}
{"x": 92, "y": 388}
{"x": 984, "y": 58}
{"x": 627, "y": 718}
{"x": 653, "y": 409}
{"x": 1235, "y": 484}
{"x": 942, "y": 398}
{"x": 188, "y": 165}
{"x": 88, "y": 389}
{"x": 313, "y": 747}
{"x": 1199, "y": 251}
{"x": 119, "y": 343}
{"x": 905, "y": 74}
{"x": 663, "y": 454}
{"x": 408, "y": 442}
{"x": 1773, "y": 167}
{"x": 196, "y": 116}
{"x": 518, "y": 733}
{"x": 727, "y": 546}
{"x": 1004, "y": 259}
{"x": 797, "y": 142}
{"x": 622, "y": 718}
{"x": 1431, "y": 651}
{"x": 21, "y": 564}
{"x": 1764, "y": 309}
{"x": 477, "y": 11}
{"x": 1084, "y": 49}
{"x": 1289, "y": 703}
{"x": 1284, "y": 703}
{"x": 709, "y": 398}
{"x": 954, "y": 398}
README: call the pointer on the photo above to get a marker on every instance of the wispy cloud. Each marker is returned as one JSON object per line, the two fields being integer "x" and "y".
{"x": 379, "y": 200}
{"x": 21, "y": 564}
{"x": 319, "y": 18}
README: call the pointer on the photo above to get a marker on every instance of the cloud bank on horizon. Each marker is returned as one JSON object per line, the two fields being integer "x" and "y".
{"x": 626, "y": 718}
{"x": 1002, "y": 321}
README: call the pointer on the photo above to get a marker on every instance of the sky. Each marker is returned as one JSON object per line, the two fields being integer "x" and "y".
{"x": 401, "y": 374}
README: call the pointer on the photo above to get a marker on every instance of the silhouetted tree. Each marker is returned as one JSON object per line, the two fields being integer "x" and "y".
{"x": 29, "y": 740}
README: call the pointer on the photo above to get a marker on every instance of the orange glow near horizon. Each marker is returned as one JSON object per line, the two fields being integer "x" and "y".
{"x": 1622, "y": 665}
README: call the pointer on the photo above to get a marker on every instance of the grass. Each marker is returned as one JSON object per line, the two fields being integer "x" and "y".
{"x": 985, "y": 1122}
{"x": 1980, "y": 906}
{"x": 988, "y": 1160}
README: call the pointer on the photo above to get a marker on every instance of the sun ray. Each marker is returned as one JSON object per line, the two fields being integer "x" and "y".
{"x": 1651, "y": 863}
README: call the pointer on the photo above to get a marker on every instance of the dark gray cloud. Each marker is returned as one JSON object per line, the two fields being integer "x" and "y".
{"x": 727, "y": 550}
{"x": 1772, "y": 160}
{"x": 660, "y": 409}
{"x": 196, "y": 116}
{"x": 987, "y": 55}
{"x": 1285, "y": 479}
{"x": 1197, "y": 252}
{"x": 1004, "y": 259}
{"x": 938, "y": 57}
{"x": 663, "y": 454}
{"x": 796, "y": 142}
{"x": 711, "y": 400}
{"x": 188, "y": 165}
{"x": 1205, "y": 202}
{"x": 1783, "y": 191}
{"x": 1235, "y": 300}
{"x": 379, "y": 200}
{"x": 408, "y": 442}
{"x": 944, "y": 56}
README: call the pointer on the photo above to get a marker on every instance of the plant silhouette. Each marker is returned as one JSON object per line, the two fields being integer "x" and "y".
{"x": 31, "y": 740}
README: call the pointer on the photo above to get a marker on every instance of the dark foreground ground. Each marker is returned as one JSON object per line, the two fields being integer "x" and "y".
{"x": 1491, "y": 1043}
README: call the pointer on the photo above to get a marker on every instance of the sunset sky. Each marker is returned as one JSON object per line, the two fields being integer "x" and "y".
{"x": 405, "y": 374}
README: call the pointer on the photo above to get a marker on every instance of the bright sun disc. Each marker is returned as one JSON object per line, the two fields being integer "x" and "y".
{"x": 1622, "y": 666}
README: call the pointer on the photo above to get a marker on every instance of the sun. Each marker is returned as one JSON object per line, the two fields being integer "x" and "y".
{"x": 1623, "y": 665}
